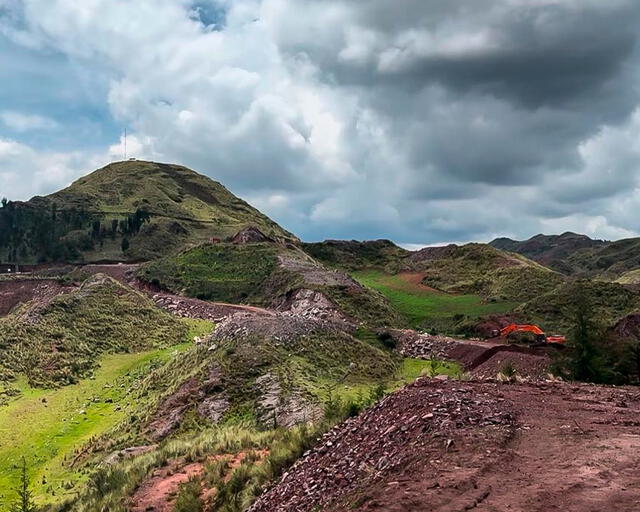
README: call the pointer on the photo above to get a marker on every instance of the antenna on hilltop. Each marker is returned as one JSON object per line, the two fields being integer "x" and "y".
{"x": 125, "y": 142}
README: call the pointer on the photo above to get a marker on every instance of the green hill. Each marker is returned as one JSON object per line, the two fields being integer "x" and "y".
{"x": 609, "y": 261}
{"x": 58, "y": 342}
{"x": 265, "y": 274}
{"x": 356, "y": 255}
{"x": 156, "y": 207}
{"x": 553, "y": 251}
{"x": 483, "y": 270}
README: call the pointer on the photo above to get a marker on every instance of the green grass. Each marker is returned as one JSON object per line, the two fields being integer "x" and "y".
{"x": 48, "y": 425}
{"x": 222, "y": 272}
{"x": 424, "y": 307}
{"x": 59, "y": 343}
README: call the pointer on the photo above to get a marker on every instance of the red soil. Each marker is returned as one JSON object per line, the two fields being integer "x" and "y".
{"x": 488, "y": 447}
{"x": 158, "y": 493}
{"x": 415, "y": 280}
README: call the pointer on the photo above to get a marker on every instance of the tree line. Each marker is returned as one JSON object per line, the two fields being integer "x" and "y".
{"x": 44, "y": 234}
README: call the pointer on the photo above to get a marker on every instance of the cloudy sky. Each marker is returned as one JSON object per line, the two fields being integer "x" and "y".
{"x": 423, "y": 121}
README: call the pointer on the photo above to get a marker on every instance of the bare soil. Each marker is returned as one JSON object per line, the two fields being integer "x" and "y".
{"x": 14, "y": 292}
{"x": 415, "y": 280}
{"x": 483, "y": 446}
{"x": 159, "y": 491}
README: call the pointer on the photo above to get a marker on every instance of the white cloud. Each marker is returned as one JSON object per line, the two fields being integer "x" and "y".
{"x": 21, "y": 122}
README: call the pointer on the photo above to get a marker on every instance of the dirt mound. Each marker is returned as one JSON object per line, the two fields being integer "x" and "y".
{"x": 422, "y": 346}
{"x": 525, "y": 365}
{"x": 628, "y": 327}
{"x": 19, "y": 291}
{"x": 421, "y": 426}
{"x": 250, "y": 235}
{"x": 281, "y": 327}
{"x": 312, "y": 304}
{"x": 457, "y": 446}
{"x": 488, "y": 325}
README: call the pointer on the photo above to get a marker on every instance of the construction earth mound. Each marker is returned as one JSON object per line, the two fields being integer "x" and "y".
{"x": 483, "y": 446}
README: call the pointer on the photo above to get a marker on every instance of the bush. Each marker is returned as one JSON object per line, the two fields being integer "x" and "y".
{"x": 189, "y": 497}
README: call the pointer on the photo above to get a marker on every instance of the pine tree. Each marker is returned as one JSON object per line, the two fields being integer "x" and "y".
{"x": 125, "y": 244}
{"x": 24, "y": 503}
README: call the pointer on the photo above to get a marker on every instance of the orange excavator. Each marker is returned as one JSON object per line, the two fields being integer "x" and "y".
{"x": 541, "y": 337}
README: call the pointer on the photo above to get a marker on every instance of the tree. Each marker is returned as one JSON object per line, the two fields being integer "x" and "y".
{"x": 125, "y": 244}
{"x": 24, "y": 503}
{"x": 586, "y": 361}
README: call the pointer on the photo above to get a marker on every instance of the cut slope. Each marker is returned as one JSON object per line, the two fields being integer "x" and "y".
{"x": 156, "y": 207}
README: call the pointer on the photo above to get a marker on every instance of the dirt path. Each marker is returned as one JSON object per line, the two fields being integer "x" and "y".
{"x": 415, "y": 280}
{"x": 485, "y": 447}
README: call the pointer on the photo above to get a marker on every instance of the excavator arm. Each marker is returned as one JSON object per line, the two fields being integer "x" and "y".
{"x": 540, "y": 335}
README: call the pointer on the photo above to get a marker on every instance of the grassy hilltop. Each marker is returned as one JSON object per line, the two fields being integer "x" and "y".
{"x": 156, "y": 207}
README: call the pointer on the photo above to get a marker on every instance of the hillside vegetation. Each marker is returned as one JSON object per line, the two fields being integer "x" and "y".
{"x": 126, "y": 211}
{"x": 427, "y": 308}
{"x": 264, "y": 274}
{"x": 355, "y": 255}
{"x": 236, "y": 394}
{"x": 578, "y": 255}
{"x": 59, "y": 342}
{"x": 556, "y": 309}
{"x": 482, "y": 270}
{"x": 552, "y": 251}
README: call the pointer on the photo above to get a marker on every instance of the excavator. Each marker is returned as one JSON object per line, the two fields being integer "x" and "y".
{"x": 541, "y": 337}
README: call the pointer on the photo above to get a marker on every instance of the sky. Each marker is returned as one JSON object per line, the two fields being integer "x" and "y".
{"x": 421, "y": 121}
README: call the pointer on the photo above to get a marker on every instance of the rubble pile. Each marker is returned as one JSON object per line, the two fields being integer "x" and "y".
{"x": 420, "y": 426}
{"x": 281, "y": 327}
{"x": 314, "y": 305}
{"x": 423, "y": 346}
{"x": 194, "y": 308}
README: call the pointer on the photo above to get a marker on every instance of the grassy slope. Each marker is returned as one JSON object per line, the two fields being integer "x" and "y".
{"x": 483, "y": 270}
{"x": 60, "y": 343}
{"x": 47, "y": 426}
{"x": 424, "y": 307}
{"x": 608, "y": 262}
{"x": 250, "y": 274}
{"x": 555, "y": 310}
{"x": 355, "y": 255}
{"x": 222, "y": 272}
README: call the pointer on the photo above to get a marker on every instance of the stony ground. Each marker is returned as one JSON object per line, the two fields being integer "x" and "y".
{"x": 488, "y": 447}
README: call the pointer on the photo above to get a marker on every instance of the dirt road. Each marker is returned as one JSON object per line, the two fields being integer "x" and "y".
{"x": 487, "y": 447}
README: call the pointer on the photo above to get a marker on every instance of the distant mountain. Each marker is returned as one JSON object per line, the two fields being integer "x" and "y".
{"x": 156, "y": 207}
{"x": 552, "y": 251}
{"x": 578, "y": 255}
